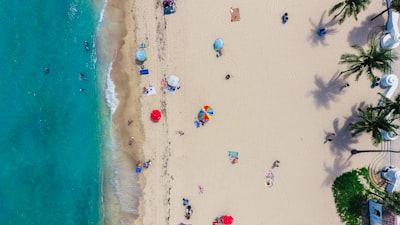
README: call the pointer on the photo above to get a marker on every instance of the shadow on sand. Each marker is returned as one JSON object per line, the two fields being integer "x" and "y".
{"x": 340, "y": 146}
{"x": 317, "y": 39}
{"x": 362, "y": 34}
{"x": 327, "y": 92}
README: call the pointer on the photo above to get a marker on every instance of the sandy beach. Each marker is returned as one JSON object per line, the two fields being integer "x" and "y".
{"x": 282, "y": 99}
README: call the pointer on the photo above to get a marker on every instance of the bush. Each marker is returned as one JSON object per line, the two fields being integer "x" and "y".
{"x": 350, "y": 194}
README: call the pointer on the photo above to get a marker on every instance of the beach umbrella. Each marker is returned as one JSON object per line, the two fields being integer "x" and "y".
{"x": 155, "y": 115}
{"x": 206, "y": 112}
{"x": 173, "y": 81}
{"x": 140, "y": 55}
{"x": 227, "y": 219}
{"x": 218, "y": 44}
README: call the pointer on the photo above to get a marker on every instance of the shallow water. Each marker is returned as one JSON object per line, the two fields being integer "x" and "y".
{"x": 52, "y": 133}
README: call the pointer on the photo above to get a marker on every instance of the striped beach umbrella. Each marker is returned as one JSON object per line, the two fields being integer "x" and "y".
{"x": 206, "y": 112}
{"x": 218, "y": 44}
{"x": 141, "y": 55}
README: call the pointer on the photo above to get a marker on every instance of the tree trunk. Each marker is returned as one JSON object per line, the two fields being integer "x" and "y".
{"x": 340, "y": 11}
{"x": 380, "y": 14}
{"x": 342, "y": 72}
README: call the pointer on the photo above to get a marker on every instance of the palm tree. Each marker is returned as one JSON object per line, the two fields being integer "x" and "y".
{"x": 367, "y": 61}
{"x": 394, "y": 4}
{"x": 348, "y": 8}
{"x": 373, "y": 120}
{"x": 392, "y": 106}
{"x": 392, "y": 202}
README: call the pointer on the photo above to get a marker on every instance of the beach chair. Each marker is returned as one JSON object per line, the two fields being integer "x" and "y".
{"x": 144, "y": 72}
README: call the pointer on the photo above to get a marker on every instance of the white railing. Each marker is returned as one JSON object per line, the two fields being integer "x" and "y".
{"x": 391, "y": 39}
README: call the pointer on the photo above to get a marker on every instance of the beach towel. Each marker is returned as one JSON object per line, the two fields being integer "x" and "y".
{"x": 144, "y": 72}
{"x": 150, "y": 90}
{"x": 233, "y": 155}
{"x": 235, "y": 15}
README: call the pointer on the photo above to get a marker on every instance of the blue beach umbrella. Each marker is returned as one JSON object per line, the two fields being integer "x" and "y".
{"x": 218, "y": 44}
{"x": 141, "y": 55}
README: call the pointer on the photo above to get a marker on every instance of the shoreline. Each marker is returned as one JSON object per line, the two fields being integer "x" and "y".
{"x": 122, "y": 187}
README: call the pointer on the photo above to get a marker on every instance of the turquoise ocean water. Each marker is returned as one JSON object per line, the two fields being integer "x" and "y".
{"x": 52, "y": 133}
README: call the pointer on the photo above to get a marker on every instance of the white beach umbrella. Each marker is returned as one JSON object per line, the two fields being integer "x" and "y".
{"x": 173, "y": 81}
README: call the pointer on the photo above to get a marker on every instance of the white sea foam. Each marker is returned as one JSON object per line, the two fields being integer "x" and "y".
{"x": 72, "y": 11}
{"x": 102, "y": 11}
{"x": 109, "y": 93}
{"x": 127, "y": 190}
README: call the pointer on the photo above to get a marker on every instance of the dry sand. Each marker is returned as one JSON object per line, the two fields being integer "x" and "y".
{"x": 282, "y": 99}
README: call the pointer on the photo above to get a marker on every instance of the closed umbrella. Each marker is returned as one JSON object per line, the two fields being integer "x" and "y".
{"x": 218, "y": 44}
{"x": 155, "y": 115}
{"x": 140, "y": 55}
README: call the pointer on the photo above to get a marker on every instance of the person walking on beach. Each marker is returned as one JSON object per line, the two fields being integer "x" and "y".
{"x": 275, "y": 164}
{"x": 345, "y": 86}
{"x": 329, "y": 137}
{"x": 131, "y": 141}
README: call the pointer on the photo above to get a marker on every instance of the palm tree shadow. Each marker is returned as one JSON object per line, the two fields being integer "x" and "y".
{"x": 327, "y": 92}
{"x": 340, "y": 164}
{"x": 340, "y": 146}
{"x": 343, "y": 139}
{"x": 362, "y": 34}
{"x": 317, "y": 39}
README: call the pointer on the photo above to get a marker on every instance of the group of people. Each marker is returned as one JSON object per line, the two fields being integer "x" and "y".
{"x": 188, "y": 208}
{"x": 285, "y": 17}
{"x": 146, "y": 165}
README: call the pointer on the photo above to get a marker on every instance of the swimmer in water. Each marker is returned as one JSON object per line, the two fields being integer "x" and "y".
{"x": 82, "y": 76}
{"x": 46, "y": 70}
{"x": 87, "y": 45}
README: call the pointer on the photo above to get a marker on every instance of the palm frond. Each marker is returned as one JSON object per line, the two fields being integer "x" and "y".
{"x": 335, "y": 7}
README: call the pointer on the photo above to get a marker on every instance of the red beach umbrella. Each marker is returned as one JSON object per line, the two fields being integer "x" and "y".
{"x": 227, "y": 219}
{"x": 155, "y": 115}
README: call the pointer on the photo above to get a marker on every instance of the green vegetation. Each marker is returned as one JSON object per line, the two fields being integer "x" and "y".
{"x": 392, "y": 202}
{"x": 391, "y": 106}
{"x": 351, "y": 191}
{"x": 375, "y": 120}
{"x": 348, "y": 8}
{"x": 367, "y": 61}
